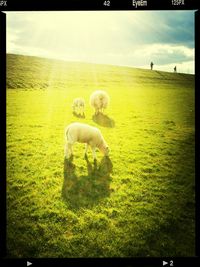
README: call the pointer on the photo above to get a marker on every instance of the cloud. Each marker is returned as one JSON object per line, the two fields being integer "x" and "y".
{"x": 165, "y": 53}
{"x": 175, "y": 27}
{"x": 116, "y": 37}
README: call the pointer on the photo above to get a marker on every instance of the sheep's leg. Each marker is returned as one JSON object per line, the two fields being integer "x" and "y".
{"x": 70, "y": 148}
{"x": 82, "y": 111}
{"x": 75, "y": 109}
{"x": 67, "y": 151}
{"x": 94, "y": 153}
{"x": 86, "y": 150}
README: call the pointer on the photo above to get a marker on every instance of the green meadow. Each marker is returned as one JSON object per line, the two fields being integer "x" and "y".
{"x": 139, "y": 202}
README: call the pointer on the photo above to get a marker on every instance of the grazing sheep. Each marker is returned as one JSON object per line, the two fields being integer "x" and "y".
{"x": 84, "y": 133}
{"x": 78, "y": 106}
{"x": 99, "y": 100}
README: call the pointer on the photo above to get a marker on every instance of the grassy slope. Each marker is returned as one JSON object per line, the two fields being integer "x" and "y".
{"x": 140, "y": 203}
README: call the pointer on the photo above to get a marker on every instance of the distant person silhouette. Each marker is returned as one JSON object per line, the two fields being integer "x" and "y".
{"x": 175, "y": 69}
{"x": 151, "y": 65}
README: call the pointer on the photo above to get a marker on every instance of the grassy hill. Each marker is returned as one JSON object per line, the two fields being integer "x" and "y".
{"x": 33, "y": 72}
{"x": 138, "y": 202}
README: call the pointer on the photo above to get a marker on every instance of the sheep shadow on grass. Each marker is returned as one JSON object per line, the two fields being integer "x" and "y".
{"x": 103, "y": 120}
{"x": 86, "y": 190}
{"x": 78, "y": 115}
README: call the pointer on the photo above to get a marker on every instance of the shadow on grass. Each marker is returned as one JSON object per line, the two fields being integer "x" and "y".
{"x": 184, "y": 76}
{"x": 86, "y": 190}
{"x": 103, "y": 120}
{"x": 79, "y": 115}
{"x": 160, "y": 73}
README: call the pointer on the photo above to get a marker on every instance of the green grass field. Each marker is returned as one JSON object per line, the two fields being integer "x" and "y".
{"x": 139, "y": 202}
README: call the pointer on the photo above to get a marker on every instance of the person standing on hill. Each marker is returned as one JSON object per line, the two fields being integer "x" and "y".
{"x": 151, "y": 65}
{"x": 175, "y": 69}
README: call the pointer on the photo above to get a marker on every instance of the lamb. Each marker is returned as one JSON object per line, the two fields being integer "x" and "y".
{"x": 99, "y": 100}
{"x": 78, "y": 106}
{"x": 84, "y": 133}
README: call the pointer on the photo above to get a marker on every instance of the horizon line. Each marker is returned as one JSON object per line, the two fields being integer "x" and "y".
{"x": 96, "y": 63}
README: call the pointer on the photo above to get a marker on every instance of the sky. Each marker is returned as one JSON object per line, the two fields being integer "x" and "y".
{"x": 125, "y": 38}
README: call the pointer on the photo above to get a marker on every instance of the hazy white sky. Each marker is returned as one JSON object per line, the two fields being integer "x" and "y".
{"x": 129, "y": 38}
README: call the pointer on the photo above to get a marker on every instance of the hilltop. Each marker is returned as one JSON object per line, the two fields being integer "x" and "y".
{"x": 40, "y": 73}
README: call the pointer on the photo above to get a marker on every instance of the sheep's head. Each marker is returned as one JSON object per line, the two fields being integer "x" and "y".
{"x": 105, "y": 149}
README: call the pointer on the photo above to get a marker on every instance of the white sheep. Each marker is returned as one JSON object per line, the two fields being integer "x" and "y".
{"x": 99, "y": 100}
{"x": 84, "y": 133}
{"x": 78, "y": 106}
